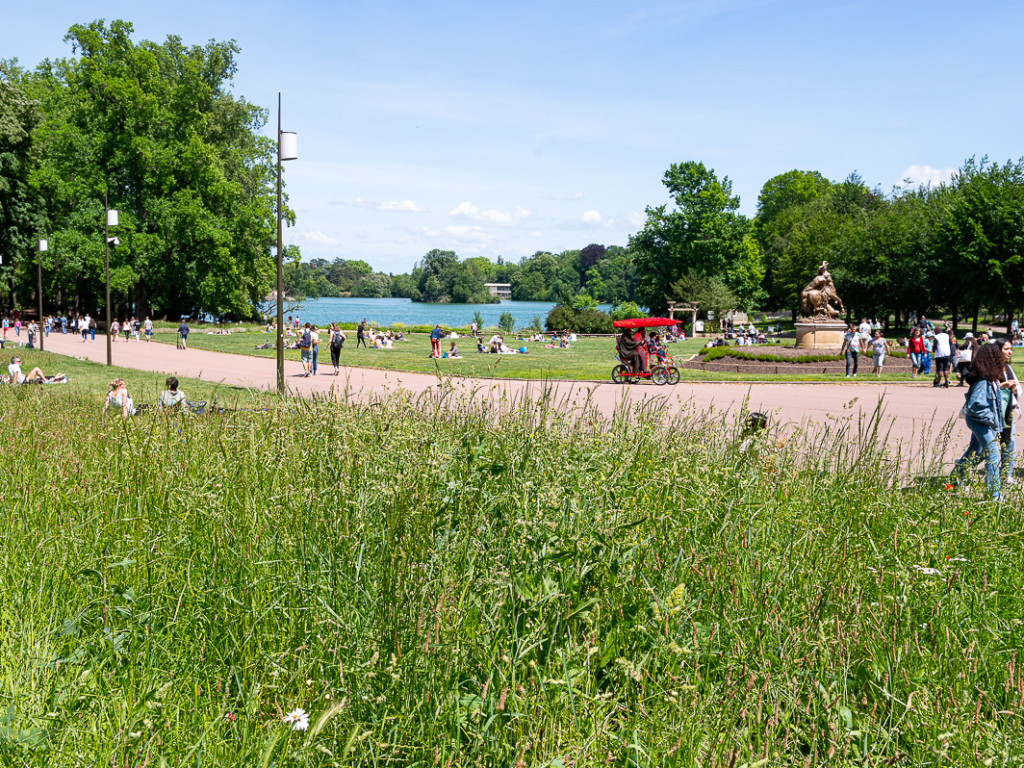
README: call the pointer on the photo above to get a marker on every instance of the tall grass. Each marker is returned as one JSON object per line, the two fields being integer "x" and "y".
{"x": 454, "y": 583}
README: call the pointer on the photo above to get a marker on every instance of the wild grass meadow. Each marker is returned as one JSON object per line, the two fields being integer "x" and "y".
{"x": 446, "y": 583}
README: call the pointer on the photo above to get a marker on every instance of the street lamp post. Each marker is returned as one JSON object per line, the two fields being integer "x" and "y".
{"x": 110, "y": 220}
{"x": 287, "y": 149}
{"x": 43, "y": 247}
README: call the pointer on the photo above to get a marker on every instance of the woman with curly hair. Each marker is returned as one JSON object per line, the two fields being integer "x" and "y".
{"x": 983, "y": 413}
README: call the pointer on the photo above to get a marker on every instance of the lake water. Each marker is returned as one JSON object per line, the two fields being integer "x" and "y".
{"x": 390, "y": 311}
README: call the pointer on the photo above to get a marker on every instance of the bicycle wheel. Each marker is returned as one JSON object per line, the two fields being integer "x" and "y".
{"x": 673, "y": 375}
{"x": 659, "y": 375}
{"x": 620, "y": 374}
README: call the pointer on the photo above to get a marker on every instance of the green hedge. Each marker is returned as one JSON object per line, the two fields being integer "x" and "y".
{"x": 716, "y": 353}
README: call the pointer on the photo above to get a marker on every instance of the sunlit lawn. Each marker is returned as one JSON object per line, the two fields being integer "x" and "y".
{"x": 588, "y": 359}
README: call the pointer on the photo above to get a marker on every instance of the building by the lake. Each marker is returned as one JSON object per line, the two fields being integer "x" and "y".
{"x": 502, "y": 290}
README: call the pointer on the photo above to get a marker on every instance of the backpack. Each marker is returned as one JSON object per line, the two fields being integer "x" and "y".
{"x": 336, "y": 341}
{"x": 307, "y": 340}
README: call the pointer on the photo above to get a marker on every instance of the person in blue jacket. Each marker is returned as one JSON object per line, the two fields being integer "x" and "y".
{"x": 435, "y": 341}
{"x": 983, "y": 413}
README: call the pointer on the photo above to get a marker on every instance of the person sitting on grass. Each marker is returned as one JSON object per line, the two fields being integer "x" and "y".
{"x": 453, "y": 350}
{"x": 480, "y": 346}
{"x": 118, "y": 397}
{"x": 171, "y": 397}
{"x": 35, "y": 376}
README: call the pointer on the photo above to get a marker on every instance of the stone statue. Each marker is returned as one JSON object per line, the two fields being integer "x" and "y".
{"x": 816, "y": 299}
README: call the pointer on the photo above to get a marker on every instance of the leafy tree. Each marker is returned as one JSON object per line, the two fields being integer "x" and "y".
{"x": 18, "y": 216}
{"x": 375, "y": 286}
{"x": 702, "y": 233}
{"x": 591, "y": 255}
{"x": 181, "y": 158}
{"x": 780, "y": 207}
{"x": 507, "y": 322}
{"x": 710, "y": 294}
{"x": 583, "y": 301}
{"x": 627, "y": 310}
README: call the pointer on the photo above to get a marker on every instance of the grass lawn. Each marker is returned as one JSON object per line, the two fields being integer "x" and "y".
{"x": 547, "y": 589}
{"x": 90, "y": 380}
{"x": 587, "y": 359}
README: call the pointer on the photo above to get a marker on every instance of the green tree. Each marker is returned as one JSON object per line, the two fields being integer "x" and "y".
{"x": 181, "y": 158}
{"x": 507, "y": 323}
{"x": 701, "y": 234}
{"x": 981, "y": 236}
{"x": 375, "y": 286}
{"x": 780, "y": 205}
{"x": 18, "y": 215}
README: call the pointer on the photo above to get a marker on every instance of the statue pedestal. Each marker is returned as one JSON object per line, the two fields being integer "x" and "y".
{"x": 819, "y": 334}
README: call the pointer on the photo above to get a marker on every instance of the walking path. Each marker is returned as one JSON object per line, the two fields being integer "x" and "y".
{"x": 914, "y": 412}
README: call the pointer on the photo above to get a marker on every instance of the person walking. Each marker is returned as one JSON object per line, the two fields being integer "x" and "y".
{"x": 915, "y": 351}
{"x": 1010, "y": 392}
{"x": 337, "y": 342}
{"x": 851, "y": 348}
{"x": 115, "y": 330}
{"x": 983, "y": 414}
{"x": 435, "y": 341}
{"x": 92, "y": 329}
{"x": 880, "y": 347}
{"x": 963, "y": 361}
{"x": 306, "y": 349}
{"x": 315, "y": 345}
{"x": 147, "y": 326}
{"x": 361, "y": 334}
{"x": 183, "y": 330}
{"x": 943, "y": 357}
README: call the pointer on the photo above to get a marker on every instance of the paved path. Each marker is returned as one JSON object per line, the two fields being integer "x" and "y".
{"x": 914, "y": 412}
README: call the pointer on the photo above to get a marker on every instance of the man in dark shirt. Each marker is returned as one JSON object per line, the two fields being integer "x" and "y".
{"x": 435, "y": 341}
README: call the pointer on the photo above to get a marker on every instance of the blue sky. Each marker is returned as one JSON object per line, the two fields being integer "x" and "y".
{"x": 503, "y": 129}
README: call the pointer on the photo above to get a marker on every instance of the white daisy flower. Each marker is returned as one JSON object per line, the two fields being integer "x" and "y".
{"x": 298, "y": 719}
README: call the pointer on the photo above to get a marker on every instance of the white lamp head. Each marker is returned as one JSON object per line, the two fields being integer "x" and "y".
{"x": 43, "y": 246}
{"x": 288, "y": 145}
{"x": 111, "y": 218}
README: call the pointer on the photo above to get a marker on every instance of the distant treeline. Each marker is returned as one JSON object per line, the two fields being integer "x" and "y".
{"x": 604, "y": 273}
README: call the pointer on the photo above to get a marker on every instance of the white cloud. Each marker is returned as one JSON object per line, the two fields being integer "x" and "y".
{"x": 315, "y": 237}
{"x": 466, "y": 233}
{"x": 595, "y": 219}
{"x": 573, "y": 196}
{"x": 637, "y": 219}
{"x": 466, "y": 210}
{"x": 400, "y": 206}
{"x": 917, "y": 175}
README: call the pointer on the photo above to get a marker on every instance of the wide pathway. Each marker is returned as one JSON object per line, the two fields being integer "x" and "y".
{"x": 915, "y": 413}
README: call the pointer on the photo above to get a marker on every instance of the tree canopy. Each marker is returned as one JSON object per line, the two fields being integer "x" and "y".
{"x": 155, "y": 129}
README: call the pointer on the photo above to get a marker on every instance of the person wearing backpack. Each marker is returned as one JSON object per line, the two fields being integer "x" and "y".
{"x": 337, "y": 342}
{"x": 306, "y": 348}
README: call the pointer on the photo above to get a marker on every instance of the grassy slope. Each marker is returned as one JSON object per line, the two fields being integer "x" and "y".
{"x": 91, "y": 379}
{"x": 557, "y": 591}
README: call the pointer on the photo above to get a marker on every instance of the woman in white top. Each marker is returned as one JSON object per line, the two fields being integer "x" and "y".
{"x": 118, "y": 397}
{"x": 879, "y": 348}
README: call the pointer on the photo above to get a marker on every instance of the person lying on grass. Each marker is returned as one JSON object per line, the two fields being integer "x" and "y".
{"x": 35, "y": 376}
